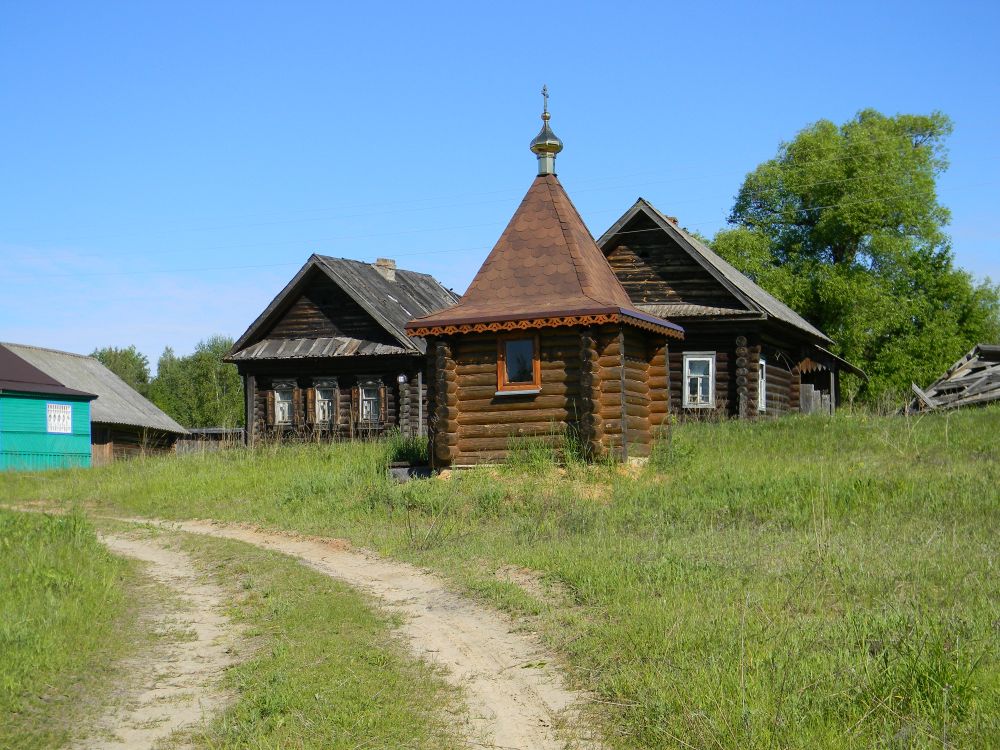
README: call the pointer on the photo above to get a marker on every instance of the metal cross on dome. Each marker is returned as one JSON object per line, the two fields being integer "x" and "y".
{"x": 545, "y": 98}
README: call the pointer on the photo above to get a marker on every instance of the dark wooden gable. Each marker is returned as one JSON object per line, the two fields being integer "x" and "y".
{"x": 324, "y": 309}
{"x": 654, "y": 268}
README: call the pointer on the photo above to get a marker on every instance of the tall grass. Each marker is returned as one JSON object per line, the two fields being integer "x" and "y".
{"x": 808, "y": 582}
{"x": 61, "y": 608}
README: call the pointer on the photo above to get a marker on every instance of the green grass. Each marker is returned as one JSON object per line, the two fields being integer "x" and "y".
{"x": 810, "y": 582}
{"x": 63, "y": 611}
{"x": 322, "y": 669}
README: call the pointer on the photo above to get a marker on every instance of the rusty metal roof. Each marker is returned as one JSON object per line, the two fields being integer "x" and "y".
{"x": 117, "y": 402}
{"x": 545, "y": 264}
{"x": 334, "y": 346}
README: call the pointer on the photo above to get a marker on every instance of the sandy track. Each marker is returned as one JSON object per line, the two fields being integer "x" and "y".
{"x": 174, "y": 685}
{"x": 514, "y": 693}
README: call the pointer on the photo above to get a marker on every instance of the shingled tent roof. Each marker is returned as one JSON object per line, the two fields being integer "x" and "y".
{"x": 749, "y": 296}
{"x": 117, "y": 402}
{"x": 390, "y": 303}
{"x": 17, "y": 374}
{"x": 545, "y": 266}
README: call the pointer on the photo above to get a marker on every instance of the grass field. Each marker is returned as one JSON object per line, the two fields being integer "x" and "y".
{"x": 64, "y": 622}
{"x": 811, "y": 582}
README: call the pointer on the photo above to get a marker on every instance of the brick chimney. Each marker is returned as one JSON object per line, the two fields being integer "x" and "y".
{"x": 386, "y": 267}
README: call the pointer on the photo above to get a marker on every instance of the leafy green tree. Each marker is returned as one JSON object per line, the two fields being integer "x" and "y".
{"x": 200, "y": 390}
{"x": 129, "y": 364}
{"x": 845, "y": 226}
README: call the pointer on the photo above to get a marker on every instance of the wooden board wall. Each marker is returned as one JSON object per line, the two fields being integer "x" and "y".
{"x": 653, "y": 268}
{"x": 324, "y": 309}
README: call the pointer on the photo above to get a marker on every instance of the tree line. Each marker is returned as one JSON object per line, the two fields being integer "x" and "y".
{"x": 197, "y": 390}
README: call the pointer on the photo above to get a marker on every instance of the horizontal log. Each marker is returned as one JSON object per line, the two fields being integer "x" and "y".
{"x": 515, "y": 403}
{"x": 477, "y": 392}
{"x": 503, "y": 443}
{"x": 557, "y": 415}
{"x": 526, "y": 429}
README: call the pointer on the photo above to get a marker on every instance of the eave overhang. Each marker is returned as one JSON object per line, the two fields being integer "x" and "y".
{"x": 549, "y": 319}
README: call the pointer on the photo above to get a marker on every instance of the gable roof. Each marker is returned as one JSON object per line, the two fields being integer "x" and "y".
{"x": 390, "y": 303}
{"x": 748, "y": 293}
{"x": 545, "y": 265}
{"x": 117, "y": 402}
{"x": 16, "y": 374}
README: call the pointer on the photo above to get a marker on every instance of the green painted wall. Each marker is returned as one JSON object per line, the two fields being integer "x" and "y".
{"x": 25, "y": 442}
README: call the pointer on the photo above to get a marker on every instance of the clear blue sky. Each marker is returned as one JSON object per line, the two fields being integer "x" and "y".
{"x": 166, "y": 167}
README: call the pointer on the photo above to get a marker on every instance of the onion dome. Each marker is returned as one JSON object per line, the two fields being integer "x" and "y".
{"x": 546, "y": 144}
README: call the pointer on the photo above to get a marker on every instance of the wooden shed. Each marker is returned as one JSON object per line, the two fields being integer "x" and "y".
{"x": 972, "y": 381}
{"x": 43, "y": 424}
{"x": 329, "y": 359}
{"x": 545, "y": 344}
{"x": 123, "y": 423}
{"x": 745, "y": 352}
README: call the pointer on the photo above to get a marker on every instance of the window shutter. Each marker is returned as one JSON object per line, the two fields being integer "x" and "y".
{"x": 335, "y": 421}
{"x": 310, "y": 406}
{"x": 355, "y": 405}
{"x": 383, "y": 398}
{"x": 297, "y": 411}
{"x": 270, "y": 407}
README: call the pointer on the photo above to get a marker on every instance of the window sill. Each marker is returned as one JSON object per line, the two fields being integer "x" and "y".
{"x": 521, "y": 392}
{"x": 699, "y": 406}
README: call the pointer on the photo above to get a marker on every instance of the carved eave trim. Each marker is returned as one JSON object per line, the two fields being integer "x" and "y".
{"x": 550, "y": 322}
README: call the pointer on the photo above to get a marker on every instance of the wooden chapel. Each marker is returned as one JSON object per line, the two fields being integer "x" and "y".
{"x": 545, "y": 344}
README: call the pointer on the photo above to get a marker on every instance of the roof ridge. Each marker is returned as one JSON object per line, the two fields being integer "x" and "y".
{"x": 47, "y": 349}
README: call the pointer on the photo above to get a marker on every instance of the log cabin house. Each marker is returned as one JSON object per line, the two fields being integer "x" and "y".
{"x": 123, "y": 423}
{"x": 745, "y": 353}
{"x": 545, "y": 344}
{"x": 329, "y": 359}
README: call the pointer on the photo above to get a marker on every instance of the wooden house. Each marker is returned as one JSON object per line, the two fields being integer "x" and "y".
{"x": 745, "y": 353}
{"x": 43, "y": 424}
{"x": 972, "y": 381}
{"x": 329, "y": 358}
{"x": 545, "y": 344}
{"x": 123, "y": 423}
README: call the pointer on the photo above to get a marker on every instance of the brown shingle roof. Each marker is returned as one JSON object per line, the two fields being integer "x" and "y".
{"x": 545, "y": 264}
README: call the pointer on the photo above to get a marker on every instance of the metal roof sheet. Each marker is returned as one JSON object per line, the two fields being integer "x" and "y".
{"x": 16, "y": 374}
{"x": 334, "y": 346}
{"x": 117, "y": 402}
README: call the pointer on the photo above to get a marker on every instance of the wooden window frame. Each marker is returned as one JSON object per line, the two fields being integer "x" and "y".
{"x": 685, "y": 378}
{"x": 277, "y": 406}
{"x": 536, "y": 365}
{"x": 379, "y": 387}
{"x": 762, "y": 386}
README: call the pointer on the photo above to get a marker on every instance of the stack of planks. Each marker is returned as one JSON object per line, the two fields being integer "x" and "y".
{"x": 972, "y": 381}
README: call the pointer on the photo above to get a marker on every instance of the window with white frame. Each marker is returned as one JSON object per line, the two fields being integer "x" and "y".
{"x": 283, "y": 406}
{"x": 326, "y": 399}
{"x": 370, "y": 402}
{"x": 699, "y": 380}
{"x": 761, "y": 385}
